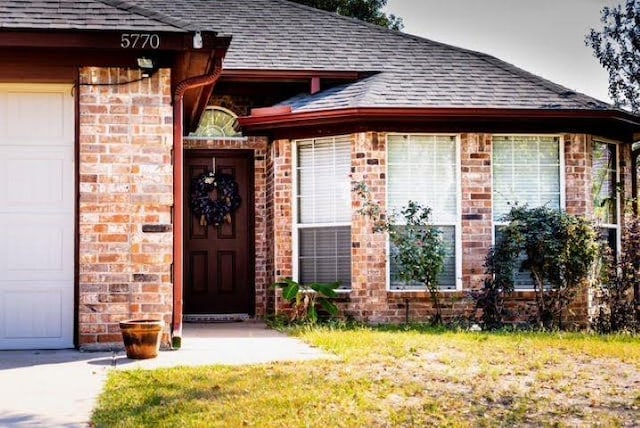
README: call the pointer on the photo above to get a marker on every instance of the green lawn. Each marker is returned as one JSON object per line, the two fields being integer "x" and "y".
{"x": 395, "y": 377}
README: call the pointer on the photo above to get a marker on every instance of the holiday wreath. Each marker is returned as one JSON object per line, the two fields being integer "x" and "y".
{"x": 214, "y": 211}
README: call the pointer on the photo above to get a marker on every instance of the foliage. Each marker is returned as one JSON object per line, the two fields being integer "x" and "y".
{"x": 617, "y": 47}
{"x": 417, "y": 247}
{"x": 364, "y": 10}
{"x": 305, "y": 299}
{"x": 394, "y": 376}
{"x": 618, "y": 291}
{"x": 558, "y": 250}
{"x": 500, "y": 269}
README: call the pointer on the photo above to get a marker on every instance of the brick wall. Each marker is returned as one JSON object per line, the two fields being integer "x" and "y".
{"x": 281, "y": 215}
{"x": 369, "y": 300}
{"x": 262, "y": 241}
{"x": 368, "y": 297}
{"x": 125, "y": 182}
{"x": 477, "y": 216}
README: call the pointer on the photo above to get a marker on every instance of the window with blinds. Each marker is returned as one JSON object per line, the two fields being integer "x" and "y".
{"x": 605, "y": 191}
{"x": 323, "y": 215}
{"x": 424, "y": 169}
{"x": 526, "y": 171}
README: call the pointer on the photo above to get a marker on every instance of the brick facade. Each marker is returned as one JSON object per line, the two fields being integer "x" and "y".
{"x": 126, "y": 197}
{"x": 125, "y": 183}
{"x": 369, "y": 299}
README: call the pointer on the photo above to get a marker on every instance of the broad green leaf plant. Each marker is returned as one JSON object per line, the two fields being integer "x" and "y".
{"x": 306, "y": 298}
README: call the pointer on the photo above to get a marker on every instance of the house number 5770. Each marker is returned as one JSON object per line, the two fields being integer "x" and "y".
{"x": 139, "y": 41}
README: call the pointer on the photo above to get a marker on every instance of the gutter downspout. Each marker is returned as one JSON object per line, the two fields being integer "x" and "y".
{"x": 178, "y": 183}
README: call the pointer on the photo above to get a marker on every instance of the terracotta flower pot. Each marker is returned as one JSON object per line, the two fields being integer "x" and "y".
{"x": 141, "y": 338}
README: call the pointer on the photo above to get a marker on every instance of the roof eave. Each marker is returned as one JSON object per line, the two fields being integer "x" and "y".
{"x": 121, "y": 39}
{"x": 280, "y": 122}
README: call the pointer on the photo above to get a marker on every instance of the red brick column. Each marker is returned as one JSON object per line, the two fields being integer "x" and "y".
{"x": 477, "y": 220}
{"x": 283, "y": 197}
{"x": 368, "y": 297}
{"x": 126, "y": 195}
{"x": 578, "y": 183}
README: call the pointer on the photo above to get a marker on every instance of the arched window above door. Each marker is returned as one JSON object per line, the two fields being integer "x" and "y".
{"x": 217, "y": 122}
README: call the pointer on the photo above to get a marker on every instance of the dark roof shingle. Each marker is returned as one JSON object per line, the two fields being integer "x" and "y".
{"x": 84, "y": 15}
{"x": 280, "y": 35}
{"x": 413, "y": 71}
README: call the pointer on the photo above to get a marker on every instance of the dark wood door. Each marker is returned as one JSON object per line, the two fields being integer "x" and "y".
{"x": 219, "y": 260}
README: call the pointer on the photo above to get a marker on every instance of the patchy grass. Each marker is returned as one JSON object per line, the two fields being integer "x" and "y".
{"x": 397, "y": 377}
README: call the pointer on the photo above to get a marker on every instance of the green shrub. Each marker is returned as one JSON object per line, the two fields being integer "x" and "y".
{"x": 556, "y": 248}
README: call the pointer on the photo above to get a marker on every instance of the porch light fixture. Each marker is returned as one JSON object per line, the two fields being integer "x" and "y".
{"x": 197, "y": 40}
{"x": 146, "y": 66}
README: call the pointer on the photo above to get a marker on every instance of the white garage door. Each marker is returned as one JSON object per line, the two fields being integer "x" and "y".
{"x": 36, "y": 216}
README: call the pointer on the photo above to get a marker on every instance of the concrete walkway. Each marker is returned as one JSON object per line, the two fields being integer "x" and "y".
{"x": 59, "y": 388}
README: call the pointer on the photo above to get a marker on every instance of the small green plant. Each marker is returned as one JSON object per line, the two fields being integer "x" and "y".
{"x": 559, "y": 251}
{"x": 417, "y": 246}
{"x": 306, "y": 298}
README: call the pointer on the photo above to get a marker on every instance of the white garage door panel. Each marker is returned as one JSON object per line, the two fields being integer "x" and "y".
{"x": 35, "y": 115}
{"x": 39, "y": 251}
{"x": 32, "y": 318}
{"x": 37, "y": 200}
{"x": 36, "y": 179}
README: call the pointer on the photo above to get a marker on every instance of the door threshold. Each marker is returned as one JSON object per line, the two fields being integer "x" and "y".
{"x": 212, "y": 318}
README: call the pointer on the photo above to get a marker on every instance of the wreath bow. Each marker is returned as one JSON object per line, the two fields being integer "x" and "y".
{"x": 214, "y": 211}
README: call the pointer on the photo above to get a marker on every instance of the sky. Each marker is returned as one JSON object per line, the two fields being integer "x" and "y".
{"x": 544, "y": 37}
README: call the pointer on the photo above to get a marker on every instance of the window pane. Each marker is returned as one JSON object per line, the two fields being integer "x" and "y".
{"x": 325, "y": 255}
{"x": 526, "y": 170}
{"x": 423, "y": 169}
{"x": 447, "y": 278}
{"x": 323, "y": 172}
{"x": 604, "y": 176}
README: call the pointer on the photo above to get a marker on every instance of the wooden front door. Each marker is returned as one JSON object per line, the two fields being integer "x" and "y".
{"x": 219, "y": 260}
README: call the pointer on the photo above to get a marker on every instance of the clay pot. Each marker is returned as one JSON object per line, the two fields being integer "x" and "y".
{"x": 141, "y": 338}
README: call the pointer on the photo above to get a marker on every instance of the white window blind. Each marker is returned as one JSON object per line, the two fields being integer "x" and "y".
{"x": 526, "y": 170}
{"x": 424, "y": 169}
{"x": 323, "y": 181}
{"x": 324, "y": 210}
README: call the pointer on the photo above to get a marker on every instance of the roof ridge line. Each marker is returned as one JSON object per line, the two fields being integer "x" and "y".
{"x": 150, "y": 14}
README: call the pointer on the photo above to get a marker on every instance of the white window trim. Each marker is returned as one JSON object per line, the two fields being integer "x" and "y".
{"x": 618, "y": 195}
{"x": 295, "y": 226}
{"x": 457, "y": 224}
{"x": 563, "y": 189}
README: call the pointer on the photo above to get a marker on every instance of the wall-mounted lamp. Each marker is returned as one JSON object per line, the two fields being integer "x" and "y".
{"x": 197, "y": 40}
{"x": 146, "y": 66}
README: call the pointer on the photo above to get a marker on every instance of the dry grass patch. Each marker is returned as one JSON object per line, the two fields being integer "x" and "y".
{"x": 397, "y": 378}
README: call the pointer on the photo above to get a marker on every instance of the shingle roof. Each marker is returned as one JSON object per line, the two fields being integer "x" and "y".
{"x": 84, "y": 15}
{"x": 281, "y": 35}
{"x": 413, "y": 71}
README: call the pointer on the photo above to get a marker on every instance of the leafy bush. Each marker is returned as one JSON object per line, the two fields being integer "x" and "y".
{"x": 617, "y": 294}
{"x": 417, "y": 247}
{"x": 305, "y": 299}
{"x": 558, "y": 250}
